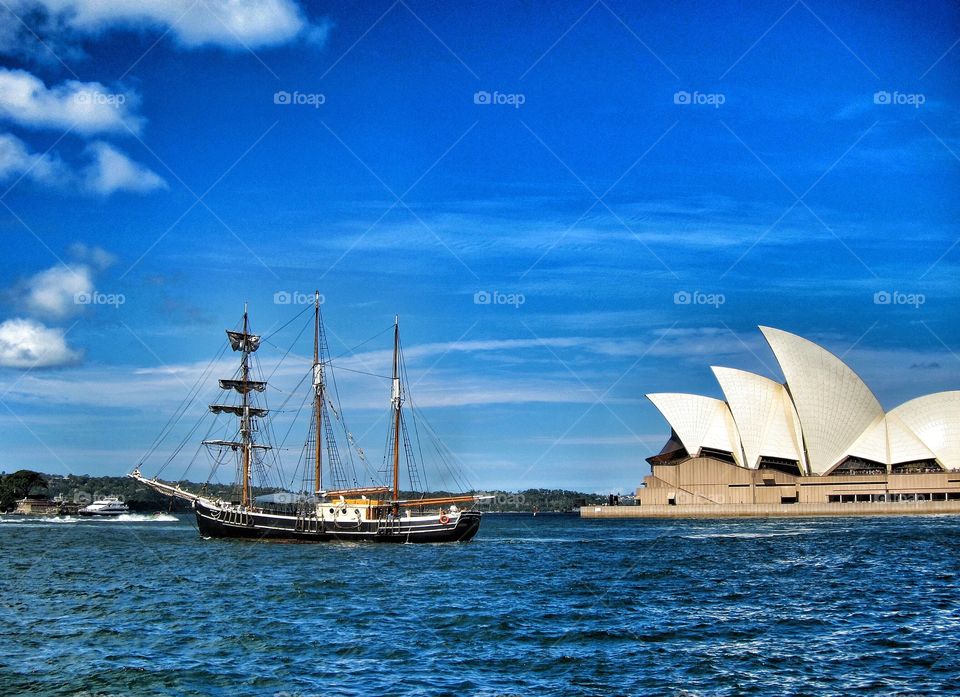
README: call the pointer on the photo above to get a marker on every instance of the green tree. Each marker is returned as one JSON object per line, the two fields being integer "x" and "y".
{"x": 19, "y": 484}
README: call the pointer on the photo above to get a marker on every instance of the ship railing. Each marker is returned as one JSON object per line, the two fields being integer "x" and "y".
{"x": 387, "y": 522}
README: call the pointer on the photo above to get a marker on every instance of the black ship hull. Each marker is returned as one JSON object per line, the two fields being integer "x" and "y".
{"x": 257, "y": 525}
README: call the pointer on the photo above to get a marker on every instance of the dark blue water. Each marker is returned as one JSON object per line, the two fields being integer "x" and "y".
{"x": 546, "y": 605}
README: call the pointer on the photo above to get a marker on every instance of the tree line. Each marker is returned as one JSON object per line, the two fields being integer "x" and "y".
{"x": 84, "y": 489}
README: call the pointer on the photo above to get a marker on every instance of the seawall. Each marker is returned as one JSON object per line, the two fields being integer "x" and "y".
{"x": 792, "y": 510}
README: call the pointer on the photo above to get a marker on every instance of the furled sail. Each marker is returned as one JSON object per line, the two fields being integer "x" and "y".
{"x": 240, "y": 341}
{"x": 236, "y": 410}
{"x": 374, "y": 511}
{"x": 243, "y": 386}
{"x": 235, "y": 444}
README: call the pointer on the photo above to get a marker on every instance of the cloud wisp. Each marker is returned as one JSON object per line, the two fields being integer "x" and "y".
{"x": 235, "y": 24}
{"x": 18, "y": 162}
{"x": 108, "y": 170}
{"x": 53, "y": 294}
{"x": 112, "y": 171}
{"x": 26, "y": 343}
{"x": 85, "y": 107}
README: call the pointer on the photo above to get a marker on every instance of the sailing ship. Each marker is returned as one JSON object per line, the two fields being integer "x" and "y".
{"x": 379, "y": 512}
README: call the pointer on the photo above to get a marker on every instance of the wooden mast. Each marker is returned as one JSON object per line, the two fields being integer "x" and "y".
{"x": 396, "y": 414}
{"x": 245, "y": 419}
{"x": 318, "y": 400}
{"x": 246, "y": 411}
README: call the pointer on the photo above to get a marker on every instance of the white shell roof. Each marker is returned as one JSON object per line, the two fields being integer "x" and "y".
{"x": 700, "y": 422}
{"x": 823, "y": 414}
{"x": 764, "y": 414}
{"x": 903, "y": 445}
{"x": 935, "y": 420}
{"x": 872, "y": 443}
{"x": 834, "y": 405}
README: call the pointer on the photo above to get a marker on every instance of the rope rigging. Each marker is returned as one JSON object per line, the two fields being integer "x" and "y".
{"x": 349, "y": 468}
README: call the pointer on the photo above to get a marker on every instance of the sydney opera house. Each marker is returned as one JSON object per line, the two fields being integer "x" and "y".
{"x": 818, "y": 440}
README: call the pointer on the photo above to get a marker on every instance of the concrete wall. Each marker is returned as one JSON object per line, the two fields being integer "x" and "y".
{"x": 772, "y": 511}
{"x": 704, "y": 481}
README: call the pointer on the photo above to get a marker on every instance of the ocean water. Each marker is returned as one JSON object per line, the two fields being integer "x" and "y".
{"x": 551, "y": 605}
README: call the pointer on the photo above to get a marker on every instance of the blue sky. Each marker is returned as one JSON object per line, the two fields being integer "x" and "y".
{"x": 777, "y": 164}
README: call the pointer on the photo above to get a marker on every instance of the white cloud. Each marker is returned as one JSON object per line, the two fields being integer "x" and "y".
{"x": 225, "y": 23}
{"x": 25, "y": 343}
{"x": 109, "y": 171}
{"x": 16, "y": 160}
{"x": 112, "y": 171}
{"x": 87, "y": 107}
{"x": 53, "y": 292}
{"x": 99, "y": 257}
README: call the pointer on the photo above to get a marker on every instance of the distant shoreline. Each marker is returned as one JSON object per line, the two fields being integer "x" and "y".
{"x": 84, "y": 489}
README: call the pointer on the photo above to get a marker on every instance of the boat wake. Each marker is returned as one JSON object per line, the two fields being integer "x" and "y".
{"x": 144, "y": 518}
{"x": 61, "y": 520}
{"x": 37, "y": 520}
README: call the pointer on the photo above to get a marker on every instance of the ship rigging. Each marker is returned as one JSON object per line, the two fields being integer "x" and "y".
{"x": 376, "y": 509}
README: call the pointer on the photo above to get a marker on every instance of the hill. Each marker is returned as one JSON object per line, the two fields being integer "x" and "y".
{"x": 84, "y": 489}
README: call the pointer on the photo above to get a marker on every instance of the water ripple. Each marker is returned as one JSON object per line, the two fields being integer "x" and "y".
{"x": 546, "y": 605}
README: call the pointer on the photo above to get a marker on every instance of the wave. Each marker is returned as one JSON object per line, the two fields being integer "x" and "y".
{"x": 38, "y": 520}
{"x": 60, "y": 520}
{"x": 745, "y": 535}
{"x": 144, "y": 518}
{"x": 530, "y": 540}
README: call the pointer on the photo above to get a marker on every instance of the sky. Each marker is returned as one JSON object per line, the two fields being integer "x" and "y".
{"x": 569, "y": 205}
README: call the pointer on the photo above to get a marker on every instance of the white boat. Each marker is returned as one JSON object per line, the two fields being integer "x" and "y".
{"x": 109, "y": 506}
